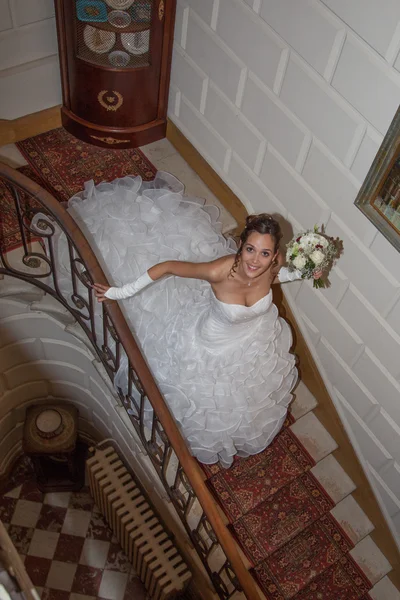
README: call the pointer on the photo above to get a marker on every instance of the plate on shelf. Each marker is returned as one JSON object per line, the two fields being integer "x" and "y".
{"x": 136, "y": 43}
{"x": 120, "y": 4}
{"x": 97, "y": 40}
{"x": 119, "y": 58}
{"x": 141, "y": 13}
{"x": 91, "y": 11}
{"x": 119, "y": 18}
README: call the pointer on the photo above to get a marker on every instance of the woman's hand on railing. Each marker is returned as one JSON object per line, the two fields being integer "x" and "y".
{"x": 100, "y": 290}
{"x": 126, "y": 291}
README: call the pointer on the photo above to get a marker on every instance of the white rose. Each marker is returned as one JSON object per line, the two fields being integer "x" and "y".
{"x": 306, "y": 239}
{"x": 315, "y": 239}
{"x": 320, "y": 239}
{"x": 317, "y": 257}
{"x": 299, "y": 262}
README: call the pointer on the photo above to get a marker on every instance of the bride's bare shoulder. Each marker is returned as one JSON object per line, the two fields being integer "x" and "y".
{"x": 222, "y": 266}
{"x": 227, "y": 260}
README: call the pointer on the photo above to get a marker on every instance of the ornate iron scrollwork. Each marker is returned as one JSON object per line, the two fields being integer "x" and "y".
{"x": 36, "y": 221}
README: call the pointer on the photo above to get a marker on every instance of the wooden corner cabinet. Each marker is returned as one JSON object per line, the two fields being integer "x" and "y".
{"x": 115, "y": 59}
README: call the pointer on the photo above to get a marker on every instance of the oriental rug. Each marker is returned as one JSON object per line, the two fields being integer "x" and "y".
{"x": 62, "y": 164}
{"x": 280, "y": 516}
{"x": 65, "y": 163}
{"x": 10, "y": 236}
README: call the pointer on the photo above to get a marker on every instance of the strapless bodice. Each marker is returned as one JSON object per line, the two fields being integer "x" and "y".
{"x": 222, "y": 324}
{"x": 238, "y": 313}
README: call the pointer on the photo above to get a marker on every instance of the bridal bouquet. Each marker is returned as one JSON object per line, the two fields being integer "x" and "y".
{"x": 311, "y": 252}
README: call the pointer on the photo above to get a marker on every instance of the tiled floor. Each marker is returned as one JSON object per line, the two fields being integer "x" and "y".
{"x": 68, "y": 549}
{"x": 164, "y": 157}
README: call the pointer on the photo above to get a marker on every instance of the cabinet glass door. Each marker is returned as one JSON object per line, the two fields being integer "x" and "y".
{"x": 114, "y": 33}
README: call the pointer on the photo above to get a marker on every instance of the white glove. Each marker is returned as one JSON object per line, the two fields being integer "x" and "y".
{"x": 285, "y": 275}
{"x": 130, "y": 289}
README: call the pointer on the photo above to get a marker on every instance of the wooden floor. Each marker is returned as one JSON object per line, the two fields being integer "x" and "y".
{"x": 30, "y": 125}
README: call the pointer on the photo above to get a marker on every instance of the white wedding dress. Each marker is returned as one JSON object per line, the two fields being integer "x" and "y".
{"x": 225, "y": 370}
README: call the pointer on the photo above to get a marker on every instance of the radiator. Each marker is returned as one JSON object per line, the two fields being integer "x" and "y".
{"x": 139, "y": 531}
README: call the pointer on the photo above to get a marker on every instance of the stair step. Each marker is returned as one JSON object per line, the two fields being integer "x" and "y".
{"x": 50, "y": 305}
{"x": 352, "y": 519}
{"x": 333, "y": 478}
{"x": 77, "y": 331}
{"x": 384, "y": 590}
{"x": 370, "y": 559}
{"x": 104, "y": 376}
{"x": 303, "y": 401}
{"x": 315, "y": 438}
{"x": 11, "y": 286}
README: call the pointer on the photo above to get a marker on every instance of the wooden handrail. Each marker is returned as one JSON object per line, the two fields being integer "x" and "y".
{"x": 189, "y": 465}
{"x": 11, "y": 563}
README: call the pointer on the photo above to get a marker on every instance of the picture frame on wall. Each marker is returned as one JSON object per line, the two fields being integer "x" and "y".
{"x": 379, "y": 196}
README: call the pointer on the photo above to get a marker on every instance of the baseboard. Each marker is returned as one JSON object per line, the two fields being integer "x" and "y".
{"x": 325, "y": 411}
{"x": 19, "y": 129}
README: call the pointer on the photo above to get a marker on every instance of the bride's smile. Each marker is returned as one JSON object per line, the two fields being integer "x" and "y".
{"x": 257, "y": 255}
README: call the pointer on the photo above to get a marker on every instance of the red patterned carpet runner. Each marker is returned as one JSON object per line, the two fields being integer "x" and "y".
{"x": 61, "y": 164}
{"x": 64, "y": 163}
{"x": 280, "y": 516}
{"x": 10, "y": 237}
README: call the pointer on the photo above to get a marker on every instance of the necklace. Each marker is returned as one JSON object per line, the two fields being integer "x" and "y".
{"x": 249, "y": 282}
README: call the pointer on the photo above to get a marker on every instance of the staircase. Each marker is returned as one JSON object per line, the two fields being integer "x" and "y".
{"x": 345, "y": 512}
{"x": 312, "y": 436}
{"x": 318, "y": 448}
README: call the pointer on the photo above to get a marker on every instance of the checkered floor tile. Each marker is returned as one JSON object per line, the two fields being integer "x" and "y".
{"x": 68, "y": 549}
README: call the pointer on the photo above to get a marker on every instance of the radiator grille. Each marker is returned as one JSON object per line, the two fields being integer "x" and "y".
{"x": 140, "y": 533}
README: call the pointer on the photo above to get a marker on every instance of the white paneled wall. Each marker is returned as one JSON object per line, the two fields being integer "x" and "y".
{"x": 289, "y": 101}
{"x": 29, "y": 71}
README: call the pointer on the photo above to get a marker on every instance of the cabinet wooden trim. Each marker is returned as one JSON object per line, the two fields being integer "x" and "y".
{"x": 125, "y": 103}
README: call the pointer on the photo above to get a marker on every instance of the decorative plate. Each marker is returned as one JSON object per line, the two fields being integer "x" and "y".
{"x": 141, "y": 13}
{"x": 97, "y": 40}
{"x": 120, "y": 4}
{"x": 91, "y": 10}
{"x": 119, "y": 18}
{"x": 136, "y": 43}
{"x": 118, "y": 58}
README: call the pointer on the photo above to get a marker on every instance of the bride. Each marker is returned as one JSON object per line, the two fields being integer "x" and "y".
{"x": 201, "y": 310}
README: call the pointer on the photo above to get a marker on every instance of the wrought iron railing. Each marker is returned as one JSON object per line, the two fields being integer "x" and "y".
{"x": 42, "y": 225}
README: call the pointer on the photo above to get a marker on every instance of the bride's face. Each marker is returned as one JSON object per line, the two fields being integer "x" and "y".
{"x": 258, "y": 253}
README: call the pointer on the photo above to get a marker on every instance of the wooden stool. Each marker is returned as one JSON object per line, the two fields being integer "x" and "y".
{"x": 51, "y": 440}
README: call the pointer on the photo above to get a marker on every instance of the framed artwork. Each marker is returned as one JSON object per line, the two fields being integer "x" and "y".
{"x": 379, "y": 196}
